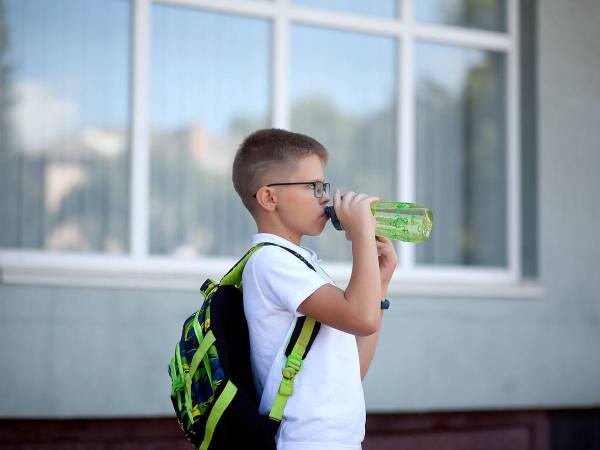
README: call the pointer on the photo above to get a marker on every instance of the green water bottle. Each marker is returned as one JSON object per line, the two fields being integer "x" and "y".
{"x": 408, "y": 222}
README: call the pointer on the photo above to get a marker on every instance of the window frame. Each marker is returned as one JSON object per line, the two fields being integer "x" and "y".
{"x": 139, "y": 269}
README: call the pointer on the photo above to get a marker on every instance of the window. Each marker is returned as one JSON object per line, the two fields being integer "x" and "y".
{"x": 64, "y": 125}
{"x": 380, "y": 8}
{"x": 209, "y": 88}
{"x": 461, "y": 153}
{"x": 342, "y": 90}
{"x": 482, "y": 14}
{"x": 415, "y": 100}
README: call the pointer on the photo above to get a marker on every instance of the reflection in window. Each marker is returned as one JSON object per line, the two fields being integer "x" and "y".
{"x": 342, "y": 92}
{"x": 484, "y": 14}
{"x": 64, "y": 125}
{"x": 210, "y": 80}
{"x": 380, "y": 8}
{"x": 461, "y": 154}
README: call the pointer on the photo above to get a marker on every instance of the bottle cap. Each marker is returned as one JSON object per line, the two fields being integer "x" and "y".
{"x": 330, "y": 212}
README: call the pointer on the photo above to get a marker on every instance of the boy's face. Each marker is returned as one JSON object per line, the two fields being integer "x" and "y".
{"x": 300, "y": 212}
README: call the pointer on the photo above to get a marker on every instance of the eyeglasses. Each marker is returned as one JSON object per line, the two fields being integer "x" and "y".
{"x": 318, "y": 187}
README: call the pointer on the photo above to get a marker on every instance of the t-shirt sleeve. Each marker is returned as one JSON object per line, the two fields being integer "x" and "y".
{"x": 284, "y": 280}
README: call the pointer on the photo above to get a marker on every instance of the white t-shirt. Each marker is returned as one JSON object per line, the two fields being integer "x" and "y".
{"x": 327, "y": 408}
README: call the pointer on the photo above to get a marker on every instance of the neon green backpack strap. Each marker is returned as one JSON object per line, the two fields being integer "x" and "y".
{"x": 234, "y": 276}
{"x": 305, "y": 332}
{"x": 217, "y": 412}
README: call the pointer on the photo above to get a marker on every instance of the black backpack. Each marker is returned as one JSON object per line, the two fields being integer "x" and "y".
{"x": 212, "y": 389}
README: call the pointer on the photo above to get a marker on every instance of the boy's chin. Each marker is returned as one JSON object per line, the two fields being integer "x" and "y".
{"x": 315, "y": 232}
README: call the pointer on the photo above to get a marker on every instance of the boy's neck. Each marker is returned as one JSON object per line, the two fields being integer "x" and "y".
{"x": 294, "y": 238}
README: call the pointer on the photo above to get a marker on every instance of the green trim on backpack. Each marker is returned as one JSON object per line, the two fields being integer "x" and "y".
{"x": 200, "y": 354}
{"x": 202, "y": 351}
{"x": 180, "y": 383}
{"x": 293, "y": 364}
{"x": 192, "y": 365}
{"x": 234, "y": 276}
{"x": 217, "y": 411}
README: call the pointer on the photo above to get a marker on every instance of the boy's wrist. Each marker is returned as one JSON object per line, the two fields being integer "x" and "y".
{"x": 385, "y": 284}
{"x": 360, "y": 235}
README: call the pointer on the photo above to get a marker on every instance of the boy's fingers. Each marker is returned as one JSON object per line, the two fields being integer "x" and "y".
{"x": 364, "y": 197}
{"x": 348, "y": 197}
{"x": 336, "y": 197}
{"x": 360, "y": 197}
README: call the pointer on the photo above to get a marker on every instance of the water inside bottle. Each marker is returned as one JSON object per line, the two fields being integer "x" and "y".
{"x": 409, "y": 222}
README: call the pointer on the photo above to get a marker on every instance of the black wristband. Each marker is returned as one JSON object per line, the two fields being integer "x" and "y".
{"x": 385, "y": 304}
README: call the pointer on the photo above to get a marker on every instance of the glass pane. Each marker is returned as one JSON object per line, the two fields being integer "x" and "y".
{"x": 64, "y": 124}
{"x": 461, "y": 154}
{"x": 381, "y": 8}
{"x": 485, "y": 14}
{"x": 209, "y": 88}
{"x": 342, "y": 93}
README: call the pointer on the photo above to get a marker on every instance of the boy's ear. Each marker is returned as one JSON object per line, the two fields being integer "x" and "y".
{"x": 267, "y": 198}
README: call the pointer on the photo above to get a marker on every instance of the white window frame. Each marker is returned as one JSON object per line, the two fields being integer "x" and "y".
{"x": 139, "y": 269}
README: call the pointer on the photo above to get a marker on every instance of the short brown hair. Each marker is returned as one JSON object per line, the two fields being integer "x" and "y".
{"x": 266, "y": 151}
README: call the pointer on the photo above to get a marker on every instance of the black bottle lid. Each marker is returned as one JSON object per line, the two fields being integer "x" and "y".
{"x": 330, "y": 212}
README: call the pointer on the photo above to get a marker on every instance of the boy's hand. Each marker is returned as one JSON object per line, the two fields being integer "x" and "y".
{"x": 354, "y": 212}
{"x": 388, "y": 259}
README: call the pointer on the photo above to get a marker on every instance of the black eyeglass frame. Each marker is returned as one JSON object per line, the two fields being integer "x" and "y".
{"x": 324, "y": 189}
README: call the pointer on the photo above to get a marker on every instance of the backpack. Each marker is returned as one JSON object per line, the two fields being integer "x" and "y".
{"x": 212, "y": 388}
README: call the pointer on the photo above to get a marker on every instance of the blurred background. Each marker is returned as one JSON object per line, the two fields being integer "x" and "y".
{"x": 119, "y": 120}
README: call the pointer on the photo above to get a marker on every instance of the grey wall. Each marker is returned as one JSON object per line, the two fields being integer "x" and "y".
{"x": 447, "y": 354}
{"x": 89, "y": 352}
{"x": 86, "y": 352}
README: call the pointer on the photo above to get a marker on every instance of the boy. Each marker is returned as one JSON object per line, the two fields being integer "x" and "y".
{"x": 279, "y": 176}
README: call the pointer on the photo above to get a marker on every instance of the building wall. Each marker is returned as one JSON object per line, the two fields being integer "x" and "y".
{"x": 74, "y": 352}
{"x": 498, "y": 353}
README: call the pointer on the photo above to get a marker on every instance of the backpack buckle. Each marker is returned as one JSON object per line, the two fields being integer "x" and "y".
{"x": 208, "y": 287}
{"x": 293, "y": 365}
{"x": 287, "y": 386}
{"x": 295, "y": 362}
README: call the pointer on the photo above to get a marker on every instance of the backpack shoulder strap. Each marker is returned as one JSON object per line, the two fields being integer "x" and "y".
{"x": 301, "y": 339}
{"x": 234, "y": 276}
{"x": 304, "y": 334}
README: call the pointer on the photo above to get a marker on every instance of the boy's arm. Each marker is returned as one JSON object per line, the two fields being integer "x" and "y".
{"x": 357, "y": 309}
{"x": 367, "y": 344}
{"x": 387, "y": 264}
{"x": 366, "y": 348}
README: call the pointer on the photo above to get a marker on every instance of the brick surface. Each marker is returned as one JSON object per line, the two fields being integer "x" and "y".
{"x": 495, "y": 430}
